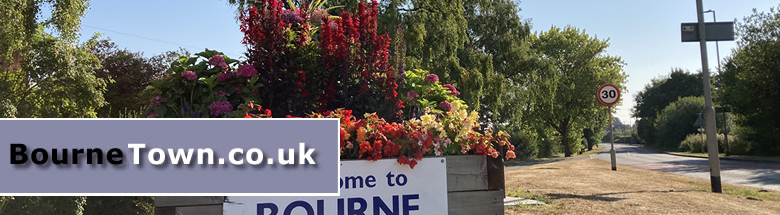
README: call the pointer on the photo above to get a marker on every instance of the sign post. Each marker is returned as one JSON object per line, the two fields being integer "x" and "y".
{"x": 708, "y": 32}
{"x": 609, "y": 95}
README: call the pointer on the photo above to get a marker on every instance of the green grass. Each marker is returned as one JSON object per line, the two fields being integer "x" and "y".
{"x": 530, "y": 195}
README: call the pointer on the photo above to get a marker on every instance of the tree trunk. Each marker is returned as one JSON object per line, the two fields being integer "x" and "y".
{"x": 565, "y": 141}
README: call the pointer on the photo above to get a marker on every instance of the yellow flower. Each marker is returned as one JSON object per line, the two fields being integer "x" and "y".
{"x": 455, "y": 105}
{"x": 361, "y": 135}
{"x": 474, "y": 115}
{"x": 427, "y": 119}
{"x": 463, "y": 114}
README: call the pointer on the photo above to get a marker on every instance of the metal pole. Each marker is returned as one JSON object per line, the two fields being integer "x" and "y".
{"x": 725, "y": 126}
{"x": 612, "y": 141}
{"x": 709, "y": 112}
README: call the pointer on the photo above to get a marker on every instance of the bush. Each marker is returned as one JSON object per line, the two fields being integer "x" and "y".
{"x": 693, "y": 143}
{"x": 549, "y": 146}
{"x": 676, "y": 122}
{"x": 526, "y": 144}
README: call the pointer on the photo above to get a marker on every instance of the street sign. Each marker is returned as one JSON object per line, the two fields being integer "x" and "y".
{"x": 714, "y": 31}
{"x": 608, "y": 94}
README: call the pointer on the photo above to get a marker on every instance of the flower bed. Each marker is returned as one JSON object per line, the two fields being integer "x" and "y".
{"x": 301, "y": 63}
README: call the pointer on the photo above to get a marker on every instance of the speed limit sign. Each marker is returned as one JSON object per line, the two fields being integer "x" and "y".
{"x": 608, "y": 94}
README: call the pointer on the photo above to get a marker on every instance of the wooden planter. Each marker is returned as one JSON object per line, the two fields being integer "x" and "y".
{"x": 475, "y": 185}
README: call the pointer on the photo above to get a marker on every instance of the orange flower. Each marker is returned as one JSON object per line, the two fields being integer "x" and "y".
{"x": 361, "y": 134}
{"x": 510, "y": 155}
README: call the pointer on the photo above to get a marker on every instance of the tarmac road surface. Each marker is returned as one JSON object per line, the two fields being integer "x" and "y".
{"x": 763, "y": 175}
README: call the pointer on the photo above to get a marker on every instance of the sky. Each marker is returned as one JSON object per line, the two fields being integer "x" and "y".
{"x": 646, "y": 34}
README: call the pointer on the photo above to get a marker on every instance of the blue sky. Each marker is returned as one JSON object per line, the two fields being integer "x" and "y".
{"x": 646, "y": 34}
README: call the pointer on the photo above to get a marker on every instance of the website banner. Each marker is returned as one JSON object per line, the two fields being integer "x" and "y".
{"x": 166, "y": 157}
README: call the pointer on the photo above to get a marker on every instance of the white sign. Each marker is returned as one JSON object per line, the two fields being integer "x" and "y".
{"x": 370, "y": 188}
{"x": 608, "y": 94}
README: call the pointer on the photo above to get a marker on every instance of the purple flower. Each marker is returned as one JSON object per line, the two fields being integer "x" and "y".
{"x": 220, "y": 107}
{"x": 223, "y": 66}
{"x": 317, "y": 16}
{"x": 445, "y": 106}
{"x": 216, "y": 60}
{"x": 247, "y": 70}
{"x": 412, "y": 95}
{"x": 292, "y": 17}
{"x": 189, "y": 75}
{"x": 452, "y": 89}
{"x": 432, "y": 78}
{"x": 152, "y": 115}
{"x": 156, "y": 101}
{"x": 224, "y": 76}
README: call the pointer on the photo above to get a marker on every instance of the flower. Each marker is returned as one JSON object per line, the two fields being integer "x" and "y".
{"x": 247, "y": 70}
{"x": 152, "y": 115}
{"x": 412, "y": 95}
{"x": 317, "y": 16}
{"x": 156, "y": 101}
{"x": 427, "y": 119}
{"x": 220, "y": 107}
{"x": 189, "y": 75}
{"x": 431, "y": 78}
{"x": 445, "y": 106}
{"x": 224, "y": 76}
{"x": 216, "y": 60}
{"x": 452, "y": 89}
{"x": 510, "y": 154}
{"x": 456, "y": 105}
{"x": 292, "y": 17}
{"x": 361, "y": 134}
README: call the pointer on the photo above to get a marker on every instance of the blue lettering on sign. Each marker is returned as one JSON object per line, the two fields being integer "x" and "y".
{"x": 379, "y": 204}
{"x": 305, "y": 205}
{"x": 353, "y": 206}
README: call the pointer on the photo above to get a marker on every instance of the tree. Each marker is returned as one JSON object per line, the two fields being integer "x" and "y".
{"x": 675, "y": 122}
{"x": 660, "y": 93}
{"x": 130, "y": 73}
{"x": 751, "y": 80}
{"x": 574, "y": 66}
{"x": 43, "y": 75}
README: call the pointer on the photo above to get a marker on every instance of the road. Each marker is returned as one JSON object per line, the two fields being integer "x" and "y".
{"x": 747, "y": 173}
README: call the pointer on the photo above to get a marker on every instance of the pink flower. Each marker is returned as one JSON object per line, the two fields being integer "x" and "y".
{"x": 216, "y": 60}
{"x": 152, "y": 115}
{"x": 445, "y": 106}
{"x": 432, "y": 78}
{"x": 220, "y": 107}
{"x": 189, "y": 75}
{"x": 224, "y": 76}
{"x": 247, "y": 70}
{"x": 452, "y": 89}
{"x": 412, "y": 95}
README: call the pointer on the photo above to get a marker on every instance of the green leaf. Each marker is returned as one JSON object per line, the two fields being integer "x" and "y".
{"x": 161, "y": 110}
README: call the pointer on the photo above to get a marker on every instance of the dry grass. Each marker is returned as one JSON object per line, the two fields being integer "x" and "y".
{"x": 590, "y": 187}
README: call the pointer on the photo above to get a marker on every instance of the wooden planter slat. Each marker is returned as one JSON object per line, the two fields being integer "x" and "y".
{"x": 483, "y": 202}
{"x": 466, "y": 173}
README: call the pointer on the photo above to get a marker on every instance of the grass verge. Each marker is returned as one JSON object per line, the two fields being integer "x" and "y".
{"x": 590, "y": 187}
